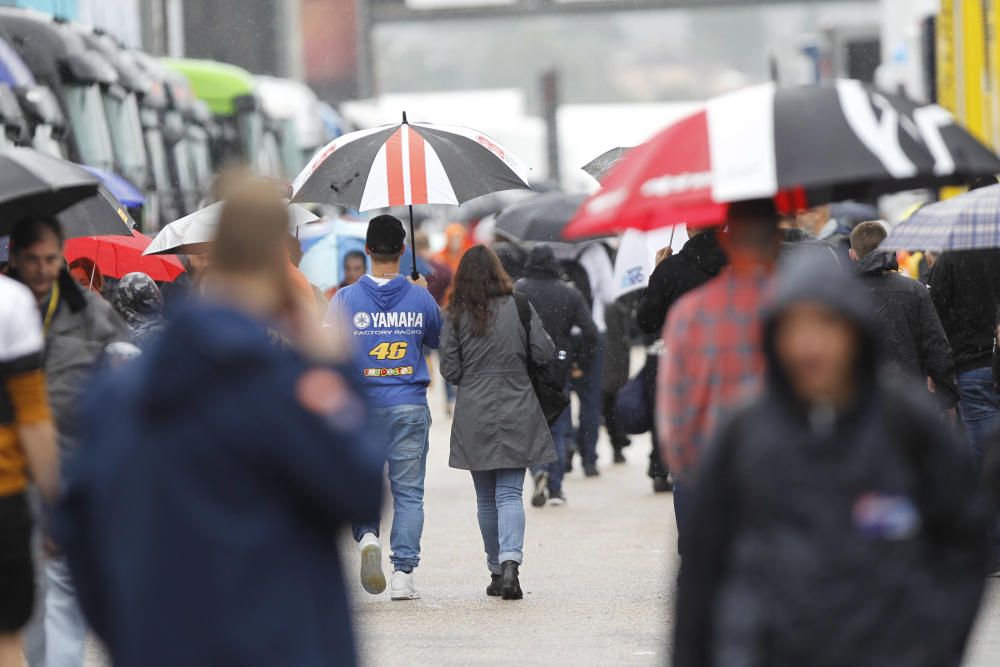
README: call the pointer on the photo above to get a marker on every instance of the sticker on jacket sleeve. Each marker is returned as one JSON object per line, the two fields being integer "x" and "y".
{"x": 388, "y": 372}
{"x": 882, "y": 516}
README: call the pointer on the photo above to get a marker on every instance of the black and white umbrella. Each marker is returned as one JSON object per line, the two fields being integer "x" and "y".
{"x": 406, "y": 165}
{"x": 36, "y": 184}
{"x": 602, "y": 165}
{"x": 801, "y": 146}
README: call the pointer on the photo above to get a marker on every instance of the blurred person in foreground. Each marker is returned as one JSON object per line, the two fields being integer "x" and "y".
{"x": 910, "y": 329}
{"x": 712, "y": 359}
{"x": 28, "y": 453}
{"x": 499, "y": 430}
{"x": 836, "y": 520}
{"x": 699, "y": 260}
{"x": 201, "y": 524}
{"x": 137, "y": 300}
{"x": 78, "y": 325}
{"x": 561, "y": 308}
{"x": 391, "y": 320}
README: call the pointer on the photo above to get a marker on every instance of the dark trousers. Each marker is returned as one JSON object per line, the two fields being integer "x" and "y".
{"x": 682, "y": 512}
{"x": 589, "y": 390}
{"x": 619, "y": 438}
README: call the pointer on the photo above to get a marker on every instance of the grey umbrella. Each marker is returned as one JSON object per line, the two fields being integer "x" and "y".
{"x": 540, "y": 219}
{"x": 602, "y": 165}
{"x": 35, "y": 184}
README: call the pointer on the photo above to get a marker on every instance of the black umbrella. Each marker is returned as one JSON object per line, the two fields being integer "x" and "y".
{"x": 35, "y": 184}
{"x": 98, "y": 215}
{"x": 540, "y": 219}
{"x": 601, "y": 165}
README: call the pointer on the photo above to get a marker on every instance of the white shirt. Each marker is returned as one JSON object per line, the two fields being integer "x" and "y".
{"x": 20, "y": 323}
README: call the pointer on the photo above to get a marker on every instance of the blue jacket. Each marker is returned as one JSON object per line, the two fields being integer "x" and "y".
{"x": 390, "y": 325}
{"x": 201, "y": 515}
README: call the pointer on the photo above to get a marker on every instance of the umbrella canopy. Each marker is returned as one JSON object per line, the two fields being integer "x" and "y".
{"x": 540, "y": 219}
{"x": 407, "y": 165}
{"x": 323, "y": 262}
{"x": 190, "y": 234}
{"x": 117, "y": 255}
{"x": 965, "y": 222}
{"x": 98, "y": 215}
{"x": 35, "y": 184}
{"x": 602, "y": 165}
{"x": 802, "y": 146}
{"x": 125, "y": 192}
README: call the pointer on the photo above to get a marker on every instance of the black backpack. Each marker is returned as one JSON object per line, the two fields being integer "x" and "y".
{"x": 548, "y": 380}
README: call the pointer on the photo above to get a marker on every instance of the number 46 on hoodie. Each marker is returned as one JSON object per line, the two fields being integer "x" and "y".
{"x": 391, "y": 351}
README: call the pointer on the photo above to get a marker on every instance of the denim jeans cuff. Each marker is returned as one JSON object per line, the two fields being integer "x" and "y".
{"x": 515, "y": 556}
{"x": 494, "y": 569}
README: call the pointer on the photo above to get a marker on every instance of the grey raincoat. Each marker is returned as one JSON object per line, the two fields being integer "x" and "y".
{"x": 498, "y": 421}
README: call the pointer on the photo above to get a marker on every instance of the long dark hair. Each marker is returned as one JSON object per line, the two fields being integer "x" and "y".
{"x": 480, "y": 278}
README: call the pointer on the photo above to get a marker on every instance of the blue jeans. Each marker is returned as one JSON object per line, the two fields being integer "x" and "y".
{"x": 501, "y": 514}
{"x": 55, "y": 637}
{"x": 979, "y": 407}
{"x": 406, "y": 431}
{"x": 562, "y": 431}
{"x": 589, "y": 389}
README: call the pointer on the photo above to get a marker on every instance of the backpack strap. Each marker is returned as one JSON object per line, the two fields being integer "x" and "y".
{"x": 523, "y": 312}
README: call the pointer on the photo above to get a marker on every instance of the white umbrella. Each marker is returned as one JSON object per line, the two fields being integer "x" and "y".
{"x": 636, "y": 257}
{"x": 189, "y": 234}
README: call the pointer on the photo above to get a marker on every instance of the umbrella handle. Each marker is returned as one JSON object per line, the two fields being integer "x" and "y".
{"x": 414, "y": 274}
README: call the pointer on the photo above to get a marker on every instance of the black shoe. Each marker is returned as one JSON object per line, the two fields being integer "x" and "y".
{"x": 662, "y": 484}
{"x": 510, "y": 585}
{"x": 494, "y": 590}
{"x": 620, "y": 456}
{"x": 541, "y": 494}
{"x": 590, "y": 470}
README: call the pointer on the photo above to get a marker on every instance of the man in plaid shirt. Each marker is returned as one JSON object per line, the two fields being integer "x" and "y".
{"x": 713, "y": 360}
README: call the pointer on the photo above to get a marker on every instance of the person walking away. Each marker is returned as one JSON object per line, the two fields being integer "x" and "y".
{"x": 28, "y": 453}
{"x": 588, "y": 381}
{"x": 911, "y": 331}
{"x": 617, "y": 362}
{"x": 223, "y": 502}
{"x": 561, "y": 308}
{"x": 712, "y": 359}
{"x": 439, "y": 280}
{"x": 78, "y": 326}
{"x": 838, "y": 522}
{"x": 499, "y": 429}
{"x": 137, "y": 300}
{"x": 392, "y": 320}
{"x": 699, "y": 260}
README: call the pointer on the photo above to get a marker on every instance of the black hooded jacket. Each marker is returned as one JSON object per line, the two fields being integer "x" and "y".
{"x": 911, "y": 332}
{"x": 829, "y": 539}
{"x": 965, "y": 286}
{"x": 560, "y": 306}
{"x": 700, "y": 260}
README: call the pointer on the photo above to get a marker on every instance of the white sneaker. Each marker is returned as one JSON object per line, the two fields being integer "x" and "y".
{"x": 402, "y": 586}
{"x": 372, "y": 577}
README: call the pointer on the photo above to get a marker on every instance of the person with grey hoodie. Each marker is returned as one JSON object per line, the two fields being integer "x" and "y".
{"x": 839, "y": 523}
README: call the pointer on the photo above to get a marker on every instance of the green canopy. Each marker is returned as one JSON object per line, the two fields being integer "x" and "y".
{"x": 218, "y": 84}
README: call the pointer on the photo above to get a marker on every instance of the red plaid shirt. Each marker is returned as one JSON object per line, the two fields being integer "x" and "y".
{"x": 712, "y": 362}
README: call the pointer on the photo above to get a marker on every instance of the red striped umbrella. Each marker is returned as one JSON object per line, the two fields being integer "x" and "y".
{"x": 802, "y": 146}
{"x": 408, "y": 164}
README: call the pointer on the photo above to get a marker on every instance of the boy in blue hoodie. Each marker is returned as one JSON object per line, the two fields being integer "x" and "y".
{"x": 391, "y": 320}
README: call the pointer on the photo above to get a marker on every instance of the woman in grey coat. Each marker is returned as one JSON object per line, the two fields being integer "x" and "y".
{"x": 499, "y": 429}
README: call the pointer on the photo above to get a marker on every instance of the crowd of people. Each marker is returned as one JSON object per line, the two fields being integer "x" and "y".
{"x": 825, "y": 425}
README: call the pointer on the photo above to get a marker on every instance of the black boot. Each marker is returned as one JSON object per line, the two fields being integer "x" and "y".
{"x": 510, "y": 586}
{"x": 494, "y": 590}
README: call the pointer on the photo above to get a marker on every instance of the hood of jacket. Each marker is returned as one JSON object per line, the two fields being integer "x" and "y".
{"x": 541, "y": 263}
{"x": 388, "y": 295}
{"x": 704, "y": 250}
{"x": 819, "y": 279}
{"x": 878, "y": 262}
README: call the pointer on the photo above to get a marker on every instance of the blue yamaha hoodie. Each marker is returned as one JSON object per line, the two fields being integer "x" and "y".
{"x": 390, "y": 325}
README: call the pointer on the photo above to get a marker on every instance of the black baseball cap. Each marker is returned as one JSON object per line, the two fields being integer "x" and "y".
{"x": 385, "y": 235}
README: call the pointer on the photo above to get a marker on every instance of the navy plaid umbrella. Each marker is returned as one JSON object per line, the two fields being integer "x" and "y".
{"x": 965, "y": 222}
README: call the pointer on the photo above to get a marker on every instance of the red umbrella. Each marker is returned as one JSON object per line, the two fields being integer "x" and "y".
{"x": 117, "y": 255}
{"x": 801, "y": 146}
